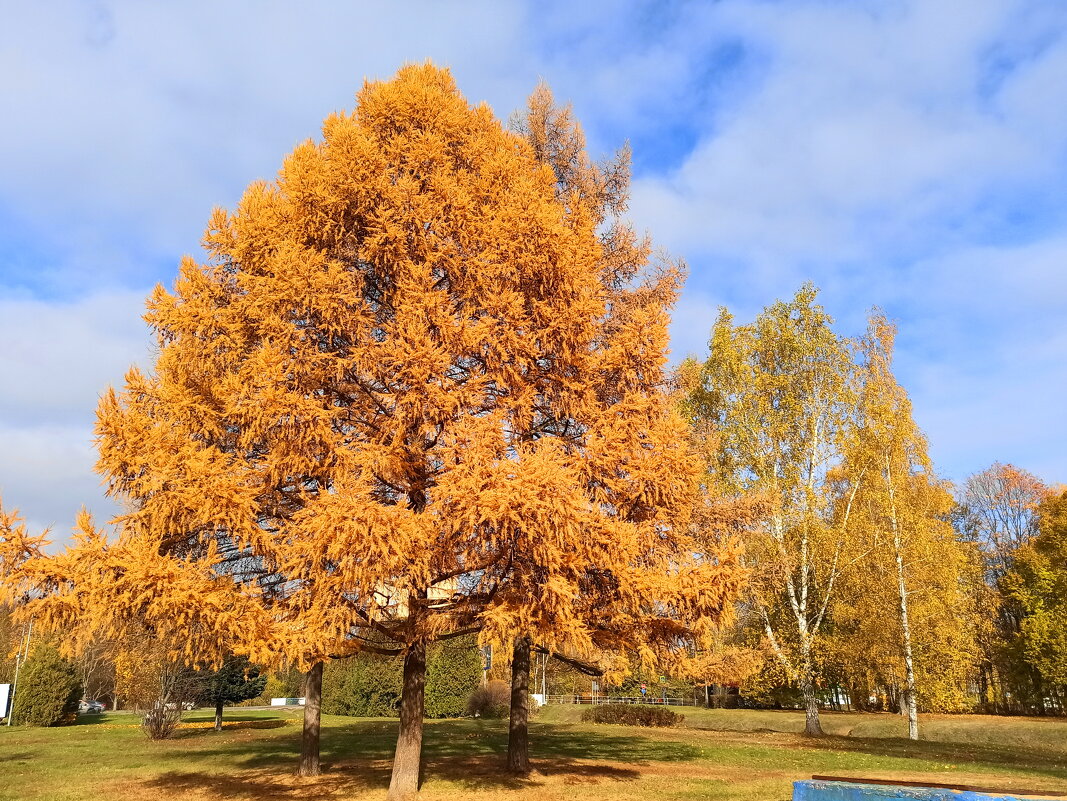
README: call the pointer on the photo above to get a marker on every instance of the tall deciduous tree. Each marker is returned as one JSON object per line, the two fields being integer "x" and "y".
{"x": 1037, "y": 583}
{"x": 1001, "y": 506}
{"x": 780, "y": 394}
{"x": 899, "y": 511}
{"x": 998, "y": 511}
{"x": 397, "y": 404}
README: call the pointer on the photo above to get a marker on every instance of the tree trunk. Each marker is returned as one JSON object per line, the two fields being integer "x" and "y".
{"x": 812, "y": 726}
{"x": 518, "y": 729}
{"x": 218, "y": 716}
{"x": 909, "y": 699}
{"x": 407, "y": 762}
{"x": 309, "y": 754}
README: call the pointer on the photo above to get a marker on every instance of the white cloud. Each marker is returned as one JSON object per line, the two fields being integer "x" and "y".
{"x": 56, "y": 360}
{"x": 46, "y": 472}
{"x": 905, "y": 154}
{"x": 859, "y": 134}
{"x": 909, "y": 156}
{"x": 58, "y": 356}
{"x": 138, "y": 118}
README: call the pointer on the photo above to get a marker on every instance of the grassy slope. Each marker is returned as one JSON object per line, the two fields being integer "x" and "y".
{"x": 720, "y": 754}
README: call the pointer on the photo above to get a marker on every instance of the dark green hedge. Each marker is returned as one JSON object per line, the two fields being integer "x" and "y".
{"x": 632, "y": 715}
{"x": 453, "y": 672}
{"x": 368, "y": 685}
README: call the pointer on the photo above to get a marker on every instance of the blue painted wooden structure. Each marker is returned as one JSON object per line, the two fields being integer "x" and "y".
{"x": 817, "y": 790}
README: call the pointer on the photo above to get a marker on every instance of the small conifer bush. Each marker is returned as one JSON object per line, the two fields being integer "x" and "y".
{"x": 48, "y": 689}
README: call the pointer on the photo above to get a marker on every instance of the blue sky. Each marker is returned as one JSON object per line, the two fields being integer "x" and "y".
{"x": 910, "y": 155}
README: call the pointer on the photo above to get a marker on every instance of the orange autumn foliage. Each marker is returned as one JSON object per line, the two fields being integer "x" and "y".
{"x": 415, "y": 389}
{"x": 404, "y": 369}
{"x": 99, "y": 590}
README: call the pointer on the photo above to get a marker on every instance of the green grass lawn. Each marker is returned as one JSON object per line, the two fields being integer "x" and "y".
{"x": 740, "y": 755}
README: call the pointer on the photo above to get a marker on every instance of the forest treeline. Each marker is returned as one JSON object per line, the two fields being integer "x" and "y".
{"x": 418, "y": 393}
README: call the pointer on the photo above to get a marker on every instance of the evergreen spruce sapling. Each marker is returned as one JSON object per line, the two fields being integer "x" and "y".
{"x": 236, "y": 680}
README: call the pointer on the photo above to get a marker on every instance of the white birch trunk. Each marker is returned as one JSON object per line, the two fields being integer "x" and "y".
{"x": 905, "y": 626}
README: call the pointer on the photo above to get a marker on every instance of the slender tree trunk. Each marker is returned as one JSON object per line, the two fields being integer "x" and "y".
{"x": 812, "y": 726}
{"x": 309, "y": 754}
{"x": 519, "y": 726}
{"x": 909, "y": 700}
{"x": 905, "y": 626}
{"x": 218, "y": 715}
{"x": 1039, "y": 693}
{"x": 407, "y": 762}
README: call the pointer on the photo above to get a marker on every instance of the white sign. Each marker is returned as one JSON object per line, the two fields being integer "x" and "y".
{"x": 5, "y": 697}
{"x": 286, "y": 701}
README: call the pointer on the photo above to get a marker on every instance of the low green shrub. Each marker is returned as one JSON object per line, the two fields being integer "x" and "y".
{"x": 632, "y": 715}
{"x": 491, "y": 701}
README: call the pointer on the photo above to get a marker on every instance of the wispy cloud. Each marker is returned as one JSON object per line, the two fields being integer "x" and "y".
{"x": 57, "y": 359}
{"x": 901, "y": 153}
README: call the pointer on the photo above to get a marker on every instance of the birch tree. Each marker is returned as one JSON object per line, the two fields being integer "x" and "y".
{"x": 899, "y": 512}
{"x": 780, "y": 393}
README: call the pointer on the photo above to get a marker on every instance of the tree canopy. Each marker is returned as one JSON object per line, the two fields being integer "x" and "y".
{"x": 413, "y": 392}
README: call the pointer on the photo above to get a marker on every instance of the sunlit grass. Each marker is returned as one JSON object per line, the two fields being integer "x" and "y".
{"x": 718, "y": 754}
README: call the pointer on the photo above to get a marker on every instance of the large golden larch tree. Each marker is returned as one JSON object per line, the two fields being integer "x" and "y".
{"x": 380, "y": 407}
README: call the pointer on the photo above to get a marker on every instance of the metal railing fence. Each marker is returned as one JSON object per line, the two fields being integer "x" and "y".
{"x": 648, "y": 700}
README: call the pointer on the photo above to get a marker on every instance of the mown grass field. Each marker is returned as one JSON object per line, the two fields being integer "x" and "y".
{"x": 740, "y": 755}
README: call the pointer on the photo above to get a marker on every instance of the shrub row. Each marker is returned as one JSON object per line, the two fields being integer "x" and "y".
{"x": 632, "y": 715}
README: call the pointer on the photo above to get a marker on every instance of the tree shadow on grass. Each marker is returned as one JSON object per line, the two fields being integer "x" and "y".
{"x": 24, "y": 756}
{"x": 227, "y": 726}
{"x": 1042, "y": 761}
{"x": 358, "y": 756}
{"x": 232, "y": 717}
{"x": 86, "y": 719}
{"x": 349, "y": 777}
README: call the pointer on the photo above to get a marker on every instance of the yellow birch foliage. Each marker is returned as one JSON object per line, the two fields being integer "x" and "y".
{"x": 779, "y": 396}
{"x": 912, "y": 562}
